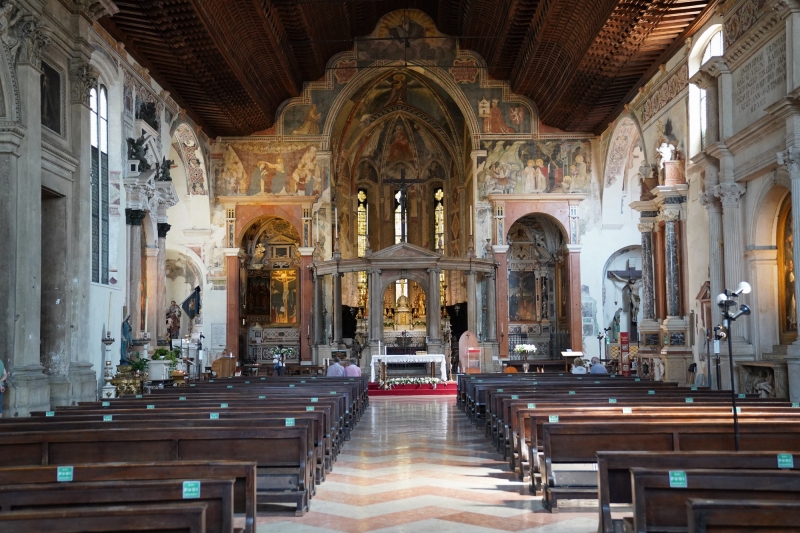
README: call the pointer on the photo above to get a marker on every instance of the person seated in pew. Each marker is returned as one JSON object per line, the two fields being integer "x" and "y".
{"x": 336, "y": 370}
{"x": 352, "y": 370}
{"x": 578, "y": 366}
{"x": 597, "y": 367}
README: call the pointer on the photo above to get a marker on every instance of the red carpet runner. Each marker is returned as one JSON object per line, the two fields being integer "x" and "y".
{"x": 414, "y": 390}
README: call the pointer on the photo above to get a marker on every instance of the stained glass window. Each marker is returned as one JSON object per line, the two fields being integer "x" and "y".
{"x": 98, "y": 103}
{"x": 399, "y": 223}
{"x": 714, "y": 48}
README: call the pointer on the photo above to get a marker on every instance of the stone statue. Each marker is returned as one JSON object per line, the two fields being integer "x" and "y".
{"x": 10, "y": 13}
{"x": 174, "y": 320}
{"x": 633, "y": 286}
{"x": 138, "y": 150}
{"x": 163, "y": 169}
{"x": 615, "y": 325}
{"x": 658, "y": 369}
{"x": 764, "y": 385}
{"x": 126, "y": 341}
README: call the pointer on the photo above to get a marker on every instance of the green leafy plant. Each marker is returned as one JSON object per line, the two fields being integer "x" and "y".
{"x": 163, "y": 354}
{"x": 138, "y": 363}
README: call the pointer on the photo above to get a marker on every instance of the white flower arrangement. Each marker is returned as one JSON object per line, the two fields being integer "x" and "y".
{"x": 285, "y": 352}
{"x": 412, "y": 381}
{"x": 525, "y": 348}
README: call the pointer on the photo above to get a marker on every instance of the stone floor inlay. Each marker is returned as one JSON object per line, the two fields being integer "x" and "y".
{"x": 416, "y": 464}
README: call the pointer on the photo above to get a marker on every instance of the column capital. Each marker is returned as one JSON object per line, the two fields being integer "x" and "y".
{"x": 434, "y": 270}
{"x": 646, "y": 227}
{"x": 93, "y": 9}
{"x": 84, "y": 78}
{"x": 574, "y": 248}
{"x": 32, "y": 40}
{"x": 729, "y": 193}
{"x": 500, "y": 248}
{"x": 134, "y": 217}
{"x": 790, "y": 158}
{"x": 703, "y": 80}
{"x": 708, "y": 199}
{"x": 670, "y": 215}
{"x": 163, "y": 229}
{"x": 231, "y": 252}
{"x": 305, "y": 251}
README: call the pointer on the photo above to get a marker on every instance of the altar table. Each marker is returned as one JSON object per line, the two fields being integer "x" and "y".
{"x": 410, "y": 358}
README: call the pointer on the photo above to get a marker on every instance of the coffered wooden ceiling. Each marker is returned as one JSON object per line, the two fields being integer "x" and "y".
{"x": 232, "y": 62}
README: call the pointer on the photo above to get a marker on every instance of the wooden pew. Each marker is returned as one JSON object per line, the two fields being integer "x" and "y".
{"x": 177, "y": 518}
{"x": 217, "y": 494}
{"x": 271, "y": 448}
{"x": 614, "y": 479}
{"x": 579, "y": 443}
{"x": 742, "y": 516}
{"x": 659, "y": 503}
{"x": 244, "y": 474}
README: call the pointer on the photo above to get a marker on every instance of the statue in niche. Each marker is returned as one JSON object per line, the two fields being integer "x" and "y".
{"x": 163, "y": 173}
{"x": 615, "y": 325}
{"x": 258, "y": 254}
{"x": 7, "y": 22}
{"x": 148, "y": 113}
{"x": 138, "y": 150}
{"x": 310, "y": 124}
{"x": 126, "y": 341}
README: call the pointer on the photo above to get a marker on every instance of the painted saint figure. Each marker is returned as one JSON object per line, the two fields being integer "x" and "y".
{"x": 278, "y": 182}
{"x": 495, "y": 123}
{"x": 174, "y": 320}
{"x": 310, "y": 124}
{"x": 530, "y": 177}
{"x": 400, "y": 149}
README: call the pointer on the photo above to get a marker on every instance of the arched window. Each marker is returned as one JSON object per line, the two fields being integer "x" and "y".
{"x": 400, "y": 229}
{"x": 438, "y": 218}
{"x": 713, "y": 48}
{"x": 98, "y": 103}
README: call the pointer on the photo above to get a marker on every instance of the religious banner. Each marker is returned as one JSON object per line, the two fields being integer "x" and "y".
{"x": 192, "y": 304}
{"x": 624, "y": 353}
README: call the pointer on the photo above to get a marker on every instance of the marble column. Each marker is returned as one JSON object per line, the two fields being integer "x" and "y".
{"x": 319, "y": 304}
{"x": 574, "y": 297}
{"x": 434, "y": 310}
{"x": 375, "y": 308}
{"x": 648, "y": 294}
{"x": 151, "y": 308}
{"x": 671, "y": 266}
{"x": 729, "y": 194}
{"x": 161, "y": 308}
{"x": 134, "y": 218}
{"x": 659, "y": 272}
{"x": 491, "y": 307}
{"x": 791, "y": 159}
{"x": 27, "y": 386}
{"x": 306, "y": 302}
{"x": 337, "y": 308}
{"x": 716, "y": 262}
{"x": 501, "y": 298}
{"x": 233, "y": 322}
{"x": 472, "y": 303}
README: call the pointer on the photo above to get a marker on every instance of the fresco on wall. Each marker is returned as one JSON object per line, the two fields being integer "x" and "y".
{"x": 271, "y": 168}
{"x": 522, "y": 296}
{"x": 408, "y": 35}
{"x": 535, "y": 167}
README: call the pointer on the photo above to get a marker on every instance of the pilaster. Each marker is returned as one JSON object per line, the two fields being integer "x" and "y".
{"x": 501, "y": 298}
{"x": 306, "y": 302}
{"x": 232, "y": 322}
{"x": 574, "y": 315}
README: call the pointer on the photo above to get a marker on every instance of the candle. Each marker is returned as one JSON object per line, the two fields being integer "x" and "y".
{"x": 146, "y": 311}
{"x": 108, "y": 323}
{"x": 309, "y": 329}
{"x": 367, "y": 219}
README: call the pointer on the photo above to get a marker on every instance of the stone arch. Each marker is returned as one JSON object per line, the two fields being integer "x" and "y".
{"x": 389, "y": 277}
{"x": 193, "y": 159}
{"x": 552, "y": 211}
{"x": 695, "y": 57}
{"x": 627, "y": 133}
{"x": 184, "y": 272}
{"x": 613, "y": 289}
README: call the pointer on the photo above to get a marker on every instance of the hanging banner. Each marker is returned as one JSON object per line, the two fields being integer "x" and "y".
{"x": 624, "y": 353}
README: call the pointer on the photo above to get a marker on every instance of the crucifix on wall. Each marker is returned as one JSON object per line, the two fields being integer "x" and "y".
{"x": 632, "y": 280}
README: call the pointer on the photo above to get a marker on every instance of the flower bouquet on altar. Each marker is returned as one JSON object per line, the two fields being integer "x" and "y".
{"x": 393, "y": 382}
{"x": 526, "y": 349}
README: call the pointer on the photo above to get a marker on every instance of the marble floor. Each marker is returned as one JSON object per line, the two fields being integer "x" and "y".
{"x": 415, "y": 464}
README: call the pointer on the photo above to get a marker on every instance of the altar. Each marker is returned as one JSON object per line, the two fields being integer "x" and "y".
{"x": 410, "y": 358}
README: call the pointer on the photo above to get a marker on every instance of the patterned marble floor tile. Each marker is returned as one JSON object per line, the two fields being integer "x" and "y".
{"x": 416, "y": 464}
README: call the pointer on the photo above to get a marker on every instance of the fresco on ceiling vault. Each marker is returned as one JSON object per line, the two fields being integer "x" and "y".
{"x": 534, "y": 167}
{"x": 271, "y": 168}
{"x": 406, "y": 35}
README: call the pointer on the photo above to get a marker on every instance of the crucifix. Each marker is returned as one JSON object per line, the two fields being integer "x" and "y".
{"x": 632, "y": 280}
{"x": 402, "y": 200}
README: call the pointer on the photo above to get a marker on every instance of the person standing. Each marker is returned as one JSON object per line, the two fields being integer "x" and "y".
{"x": 279, "y": 361}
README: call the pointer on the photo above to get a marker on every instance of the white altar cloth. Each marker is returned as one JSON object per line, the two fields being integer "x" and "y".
{"x": 410, "y": 358}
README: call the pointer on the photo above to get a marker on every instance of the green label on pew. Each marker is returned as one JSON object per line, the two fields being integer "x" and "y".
{"x": 480, "y": 381}
{"x": 107, "y": 418}
{"x": 211, "y": 381}
{"x": 309, "y": 408}
{"x": 553, "y": 419}
{"x": 230, "y": 386}
{"x": 352, "y": 379}
{"x": 499, "y": 390}
{"x": 535, "y": 383}
{"x": 514, "y": 397}
{"x": 689, "y": 400}
{"x": 611, "y": 376}
{"x": 191, "y": 490}
{"x": 302, "y": 381}
{"x": 50, "y": 413}
{"x": 796, "y": 404}
{"x": 213, "y": 416}
{"x": 742, "y": 395}
{"x": 151, "y": 406}
{"x": 138, "y": 396}
{"x": 580, "y": 378}
{"x": 333, "y": 392}
{"x": 291, "y": 385}
{"x": 181, "y": 398}
{"x": 785, "y": 460}
{"x": 612, "y": 400}
{"x": 471, "y": 377}
{"x": 247, "y": 383}
{"x": 289, "y": 422}
{"x": 597, "y": 383}
{"x": 223, "y": 405}
{"x": 191, "y": 384}
{"x": 531, "y": 406}
{"x": 738, "y": 410}
{"x": 561, "y": 374}
{"x": 694, "y": 388}
{"x": 627, "y": 411}
{"x": 314, "y": 400}
{"x": 651, "y": 392}
{"x": 313, "y": 377}
{"x": 572, "y": 392}
{"x": 105, "y": 404}
{"x": 262, "y": 379}
{"x": 677, "y": 479}
{"x": 638, "y": 379}
{"x": 64, "y": 474}
{"x": 262, "y": 397}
